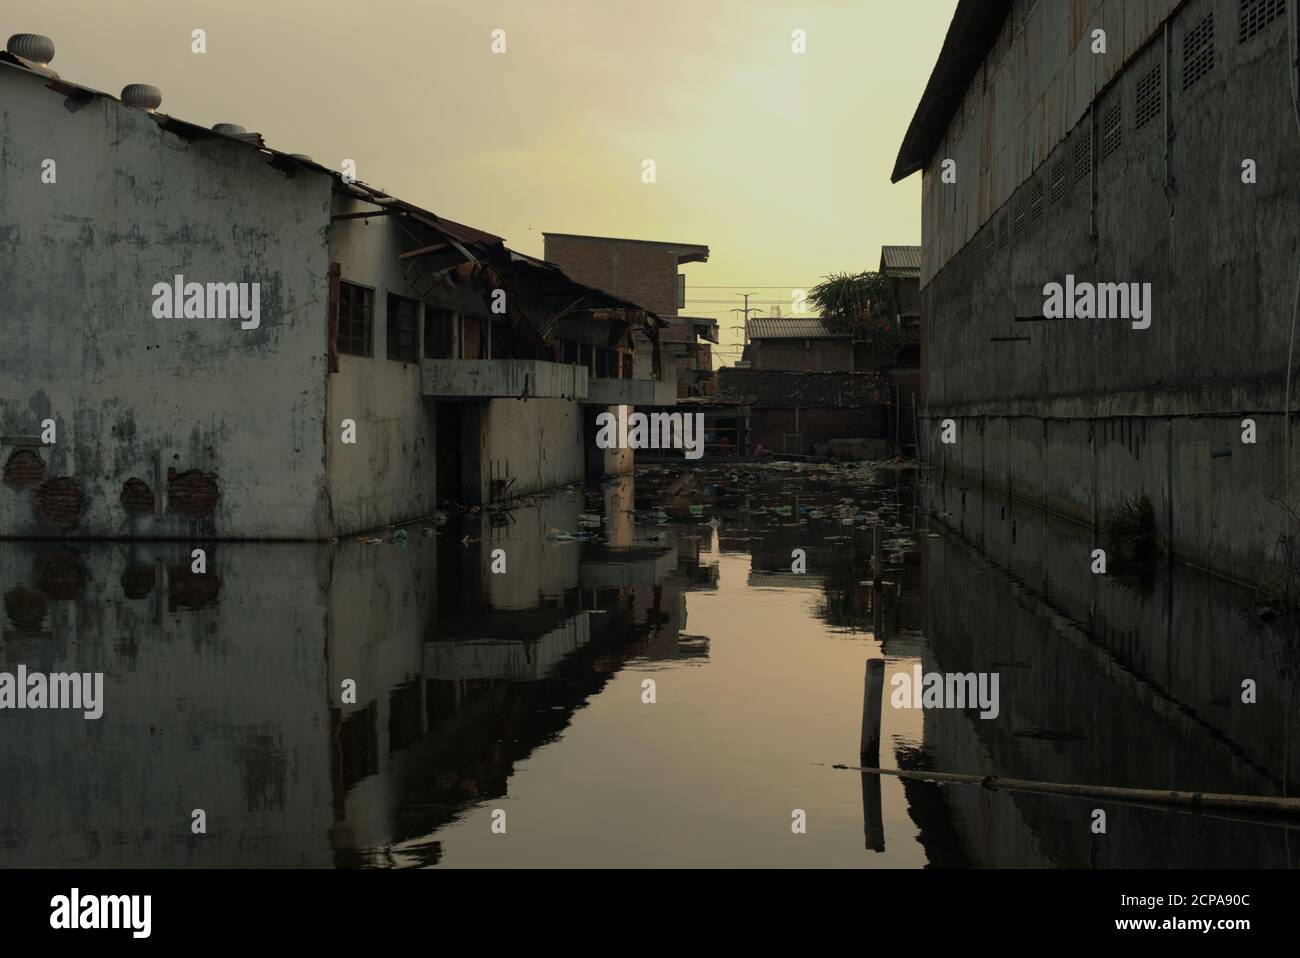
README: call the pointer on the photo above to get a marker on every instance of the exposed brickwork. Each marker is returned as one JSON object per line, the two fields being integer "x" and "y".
{"x": 24, "y": 469}
{"x": 137, "y": 580}
{"x": 771, "y": 426}
{"x": 192, "y": 590}
{"x": 192, "y": 493}
{"x": 823, "y": 355}
{"x": 137, "y": 497}
{"x": 61, "y": 576}
{"x": 645, "y": 273}
{"x": 26, "y": 608}
{"x": 59, "y": 501}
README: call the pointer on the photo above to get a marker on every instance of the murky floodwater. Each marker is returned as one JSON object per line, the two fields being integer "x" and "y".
{"x": 400, "y": 703}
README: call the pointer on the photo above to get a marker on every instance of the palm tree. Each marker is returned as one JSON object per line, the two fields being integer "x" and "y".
{"x": 858, "y": 303}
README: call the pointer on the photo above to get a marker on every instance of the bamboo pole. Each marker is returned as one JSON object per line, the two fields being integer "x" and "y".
{"x": 1272, "y": 805}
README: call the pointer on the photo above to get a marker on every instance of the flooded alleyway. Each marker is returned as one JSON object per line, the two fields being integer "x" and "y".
{"x": 516, "y": 700}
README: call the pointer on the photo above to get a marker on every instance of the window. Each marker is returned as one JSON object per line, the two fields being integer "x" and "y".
{"x": 439, "y": 332}
{"x": 1004, "y": 231}
{"x": 1083, "y": 155}
{"x": 1036, "y": 200}
{"x": 1060, "y": 178}
{"x": 1255, "y": 15}
{"x": 1198, "y": 51}
{"x": 1018, "y": 213}
{"x": 1150, "y": 96}
{"x": 1112, "y": 129}
{"x": 356, "y": 309}
{"x": 403, "y": 329}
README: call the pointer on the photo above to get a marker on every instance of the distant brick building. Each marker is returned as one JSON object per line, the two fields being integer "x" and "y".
{"x": 792, "y": 412}
{"x": 806, "y": 345}
{"x": 647, "y": 271}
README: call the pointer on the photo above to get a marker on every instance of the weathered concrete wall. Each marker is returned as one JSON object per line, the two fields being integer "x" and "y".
{"x": 1218, "y": 512}
{"x": 1077, "y": 414}
{"x": 536, "y": 442}
{"x": 1035, "y": 85}
{"x": 388, "y": 476}
{"x": 214, "y": 697}
{"x": 133, "y": 395}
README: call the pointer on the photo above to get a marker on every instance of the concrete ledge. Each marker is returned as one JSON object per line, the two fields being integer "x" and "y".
{"x": 631, "y": 392}
{"x": 503, "y": 379}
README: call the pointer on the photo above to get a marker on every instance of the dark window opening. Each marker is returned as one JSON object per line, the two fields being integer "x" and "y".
{"x": 403, "y": 329}
{"x": 1112, "y": 135}
{"x": 356, "y": 311}
{"x": 439, "y": 333}
{"x": 1083, "y": 156}
{"x": 1198, "y": 51}
{"x": 1255, "y": 15}
{"x": 1150, "y": 96}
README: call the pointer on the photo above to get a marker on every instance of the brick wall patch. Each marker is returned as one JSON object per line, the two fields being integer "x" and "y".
{"x": 193, "y": 493}
{"x": 24, "y": 469}
{"x": 137, "y": 497}
{"x": 60, "y": 501}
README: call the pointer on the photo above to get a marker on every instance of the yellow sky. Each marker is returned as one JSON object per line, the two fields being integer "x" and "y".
{"x": 778, "y": 161}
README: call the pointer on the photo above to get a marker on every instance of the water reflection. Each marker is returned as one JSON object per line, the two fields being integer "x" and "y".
{"x": 523, "y": 691}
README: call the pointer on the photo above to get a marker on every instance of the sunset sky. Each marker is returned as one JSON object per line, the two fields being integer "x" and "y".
{"x": 778, "y": 161}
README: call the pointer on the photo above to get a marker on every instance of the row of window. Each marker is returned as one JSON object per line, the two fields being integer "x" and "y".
{"x": 356, "y": 326}
{"x": 356, "y": 334}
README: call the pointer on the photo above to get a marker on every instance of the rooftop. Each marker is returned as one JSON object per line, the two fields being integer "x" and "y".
{"x": 690, "y": 252}
{"x": 901, "y": 261}
{"x": 972, "y": 33}
{"x": 775, "y": 328}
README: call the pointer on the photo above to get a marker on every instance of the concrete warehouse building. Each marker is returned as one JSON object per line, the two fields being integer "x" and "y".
{"x": 1115, "y": 143}
{"x": 208, "y": 337}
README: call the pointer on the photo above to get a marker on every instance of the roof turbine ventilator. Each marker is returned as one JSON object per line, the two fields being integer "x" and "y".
{"x": 229, "y": 129}
{"x": 31, "y": 46}
{"x": 142, "y": 96}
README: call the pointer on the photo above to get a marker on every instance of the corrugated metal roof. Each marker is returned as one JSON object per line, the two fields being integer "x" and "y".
{"x": 790, "y": 329}
{"x": 904, "y": 261}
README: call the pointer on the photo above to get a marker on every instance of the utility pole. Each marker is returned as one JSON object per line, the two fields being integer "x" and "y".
{"x": 745, "y": 313}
